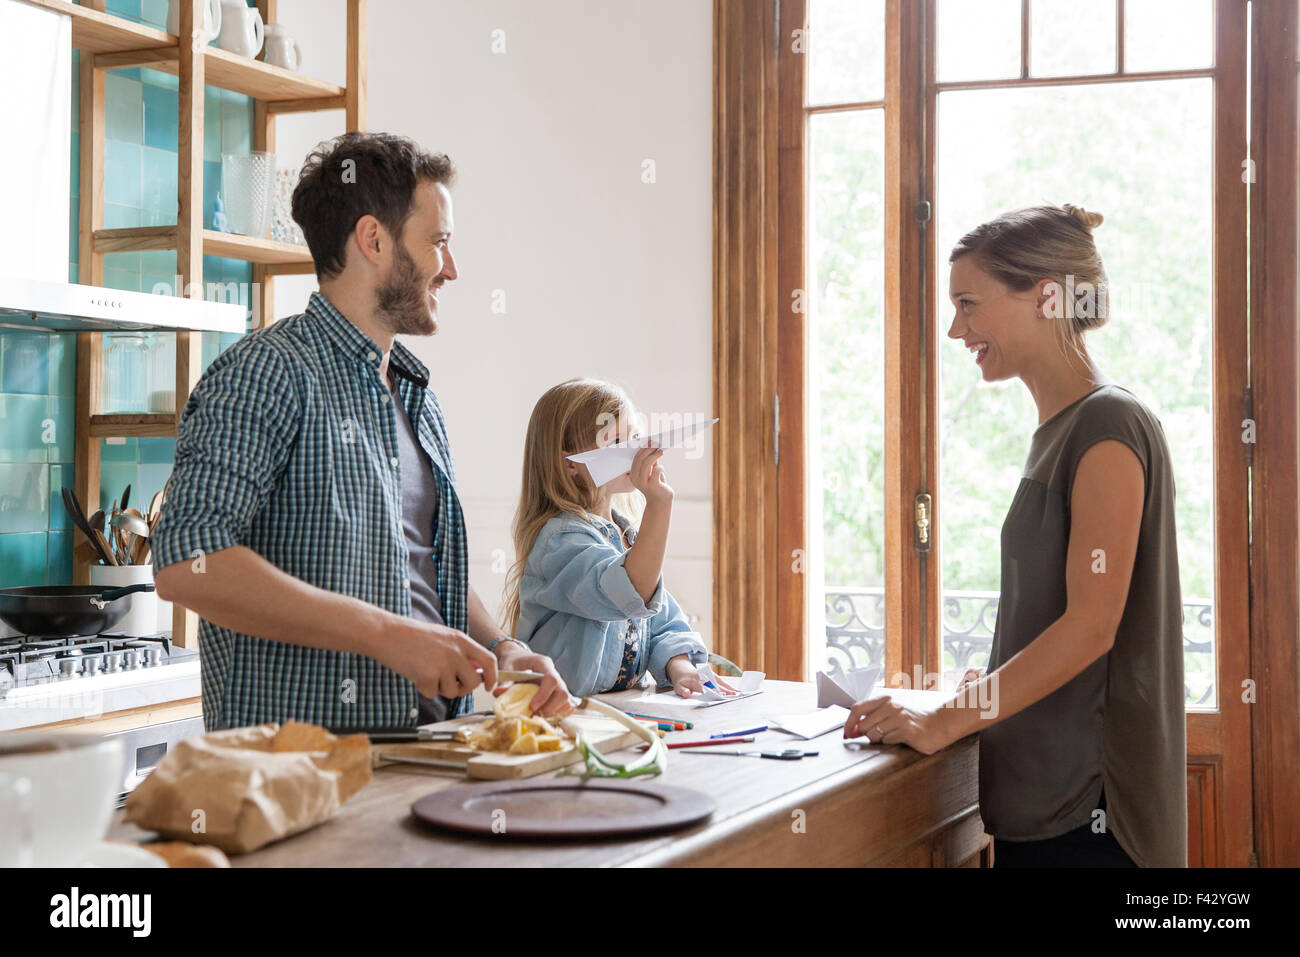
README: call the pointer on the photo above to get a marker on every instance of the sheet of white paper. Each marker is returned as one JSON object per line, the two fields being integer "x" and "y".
{"x": 608, "y": 463}
{"x": 850, "y": 688}
{"x": 750, "y": 683}
{"x": 671, "y": 699}
{"x": 811, "y": 724}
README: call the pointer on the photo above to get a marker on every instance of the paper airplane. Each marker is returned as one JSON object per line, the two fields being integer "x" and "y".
{"x": 608, "y": 463}
{"x": 846, "y": 688}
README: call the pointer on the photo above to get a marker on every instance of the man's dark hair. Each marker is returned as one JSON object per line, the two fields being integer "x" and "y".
{"x": 356, "y": 174}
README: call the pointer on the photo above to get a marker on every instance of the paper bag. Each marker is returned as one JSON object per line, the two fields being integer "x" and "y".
{"x": 246, "y": 787}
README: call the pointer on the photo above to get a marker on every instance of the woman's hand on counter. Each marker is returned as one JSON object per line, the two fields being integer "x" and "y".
{"x": 883, "y": 720}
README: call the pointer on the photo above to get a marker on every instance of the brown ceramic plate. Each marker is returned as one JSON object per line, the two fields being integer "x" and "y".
{"x": 563, "y": 809}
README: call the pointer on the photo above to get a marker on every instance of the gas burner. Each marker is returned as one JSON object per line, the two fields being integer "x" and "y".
{"x": 36, "y": 659}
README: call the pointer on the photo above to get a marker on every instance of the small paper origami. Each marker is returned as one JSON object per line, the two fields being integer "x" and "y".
{"x": 608, "y": 463}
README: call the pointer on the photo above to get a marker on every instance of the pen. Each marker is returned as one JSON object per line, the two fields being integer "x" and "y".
{"x": 731, "y": 734}
{"x": 704, "y": 744}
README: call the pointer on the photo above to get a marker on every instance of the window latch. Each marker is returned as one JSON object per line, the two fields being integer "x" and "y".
{"x": 922, "y": 519}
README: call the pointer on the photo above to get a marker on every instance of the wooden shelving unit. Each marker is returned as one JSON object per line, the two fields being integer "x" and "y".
{"x": 268, "y": 252}
{"x": 148, "y": 424}
{"x": 108, "y": 42}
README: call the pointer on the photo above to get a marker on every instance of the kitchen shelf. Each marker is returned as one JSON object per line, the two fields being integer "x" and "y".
{"x": 286, "y": 257}
{"x": 135, "y": 239}
{"x": 230, "y": 71}
{"x": 134, "y": 424}
{"x": 97, "y": 32}
{"x": 118, "y": 44}
{"x": 268, "y": 252}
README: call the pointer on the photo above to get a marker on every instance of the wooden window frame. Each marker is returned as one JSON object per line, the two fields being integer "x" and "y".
{"x": 1275, "y": 475}
{"x": 761, "y": 595}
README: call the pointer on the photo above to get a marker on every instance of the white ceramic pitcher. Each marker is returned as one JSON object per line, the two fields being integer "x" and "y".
{"x": 211, "y": 19}
{"x": 242, "y": 30}
{"x": 281, "y": 49}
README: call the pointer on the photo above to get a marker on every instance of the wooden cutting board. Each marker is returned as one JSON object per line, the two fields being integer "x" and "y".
{"x": 605, "y": 734}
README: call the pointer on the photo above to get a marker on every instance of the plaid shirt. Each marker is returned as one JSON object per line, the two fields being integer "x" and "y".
{"x": 288, "y": 445}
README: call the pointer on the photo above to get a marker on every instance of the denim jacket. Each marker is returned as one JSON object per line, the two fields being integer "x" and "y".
{"x": 577, "y": 604}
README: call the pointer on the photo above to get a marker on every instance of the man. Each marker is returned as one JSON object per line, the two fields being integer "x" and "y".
{"x": 312, "y": 519}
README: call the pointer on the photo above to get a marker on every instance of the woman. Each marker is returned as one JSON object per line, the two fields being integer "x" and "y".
{"x": 1083, "y": 751}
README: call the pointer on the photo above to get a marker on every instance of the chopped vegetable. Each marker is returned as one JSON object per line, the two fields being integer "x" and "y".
{"x": 515, "y": 701}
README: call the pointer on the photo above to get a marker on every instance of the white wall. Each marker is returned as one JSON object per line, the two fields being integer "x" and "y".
{"x": 35, "y": 178}
{"x": 603, "y": 275}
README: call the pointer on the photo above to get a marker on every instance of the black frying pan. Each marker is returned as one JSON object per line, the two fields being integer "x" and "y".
{"x": 61, "y": 611}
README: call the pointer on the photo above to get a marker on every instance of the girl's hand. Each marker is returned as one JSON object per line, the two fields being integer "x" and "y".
{"x": 685, "y": 679}
{"x": 970, "y": 677}
{"x": 648, "y": 476}
{"x": 723, "y": 686}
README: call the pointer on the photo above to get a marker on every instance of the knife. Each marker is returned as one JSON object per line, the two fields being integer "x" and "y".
{"x": 393, "y": 735}
{"x": 427, "y": 762}
{"x": 518, "y": 676}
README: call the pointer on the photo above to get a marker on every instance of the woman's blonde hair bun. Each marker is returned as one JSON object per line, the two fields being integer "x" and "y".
{"x": 1090, "y": 220}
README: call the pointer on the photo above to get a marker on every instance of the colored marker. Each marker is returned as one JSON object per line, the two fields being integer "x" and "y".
{"x": 676, "y": 725}
{"x": 704, "y": 744}
{"x": 732, "y": 734}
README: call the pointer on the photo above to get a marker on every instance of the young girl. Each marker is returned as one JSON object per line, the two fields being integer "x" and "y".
{"x": 587, "y": 589}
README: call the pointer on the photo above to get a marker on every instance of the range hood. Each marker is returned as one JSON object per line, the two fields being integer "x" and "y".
{"x": 70, "y": 307}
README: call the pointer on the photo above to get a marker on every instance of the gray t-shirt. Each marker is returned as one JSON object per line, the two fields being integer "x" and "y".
{"x": 419, "y": 519}
{"x": 1120, "y": 722}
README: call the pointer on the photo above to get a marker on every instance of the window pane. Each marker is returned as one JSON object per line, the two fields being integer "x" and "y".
{"x": 1150, "y": 177}
{"x": 978, "y": 39}
{"x": 847, "y": 46}
{"x": 1168, "y": 34}
{"x": 845, "y": 415}
{"x": 1071, "y": 37}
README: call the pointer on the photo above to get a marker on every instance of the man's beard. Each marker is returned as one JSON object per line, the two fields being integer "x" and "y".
{"x": 401, "y": 298}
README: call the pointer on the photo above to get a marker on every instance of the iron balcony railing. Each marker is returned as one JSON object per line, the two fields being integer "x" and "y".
{"x": 855, "y": 635}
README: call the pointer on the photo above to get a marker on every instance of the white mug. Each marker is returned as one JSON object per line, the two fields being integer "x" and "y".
{"x": 74, "y": 780}
{"x": 281, "y": 49}
{"x": 15, "y": 820}
{"x": 211, "y": 19}
{"x": 241, "y": 28}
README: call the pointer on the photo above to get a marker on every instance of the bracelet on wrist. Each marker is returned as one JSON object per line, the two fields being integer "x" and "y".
{"x": 492, "y": 645}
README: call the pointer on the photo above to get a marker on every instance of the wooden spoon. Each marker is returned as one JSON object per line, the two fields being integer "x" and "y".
{"x": 78, "y": 516}
{"x": 105, "y": 549}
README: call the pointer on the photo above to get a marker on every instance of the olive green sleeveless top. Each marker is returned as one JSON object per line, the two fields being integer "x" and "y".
{"x": 1121, "y": 722}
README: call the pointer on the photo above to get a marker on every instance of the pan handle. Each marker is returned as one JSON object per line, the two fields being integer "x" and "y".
{"x": 113, "y": 594}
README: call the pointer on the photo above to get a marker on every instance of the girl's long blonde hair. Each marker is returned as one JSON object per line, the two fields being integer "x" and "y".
{"x": 571, "y": 417}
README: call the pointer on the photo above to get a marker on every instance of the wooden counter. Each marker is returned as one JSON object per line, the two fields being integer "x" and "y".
{"x": 872, "y": 806}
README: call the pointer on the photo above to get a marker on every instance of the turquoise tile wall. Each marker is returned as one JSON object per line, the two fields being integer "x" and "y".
{"x": 38, "y": 370}
{"x": 37, "y": 426}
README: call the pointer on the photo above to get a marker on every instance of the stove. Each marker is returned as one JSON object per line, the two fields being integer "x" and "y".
{"x": 47, "y": 680}
{"x": 30, "y": 661}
